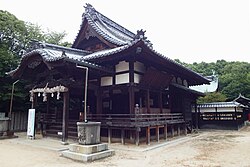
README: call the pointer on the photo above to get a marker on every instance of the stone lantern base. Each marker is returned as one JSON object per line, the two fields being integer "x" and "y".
{"x": 89, "y": 147}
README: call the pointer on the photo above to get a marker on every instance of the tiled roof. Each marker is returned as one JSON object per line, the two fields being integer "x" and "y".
{"x": 110, "y": 52}
{"x": 187, "y": 89}
{"x": 243, "y": 100}
{"x": 220, "y": 104}
{"x": 107, "y": 28}
{"x": 50, "y": 53}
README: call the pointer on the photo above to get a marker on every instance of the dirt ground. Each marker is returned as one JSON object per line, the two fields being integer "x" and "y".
{"x": 204, "y": 149}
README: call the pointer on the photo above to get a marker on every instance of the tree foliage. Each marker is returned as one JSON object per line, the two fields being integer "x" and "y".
{"x": 212, "y": 97}
{"x": 15, "y": 37}
{"x": 234, "y": 77}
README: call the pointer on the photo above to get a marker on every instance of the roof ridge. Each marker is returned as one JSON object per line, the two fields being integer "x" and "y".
{"x": 40, "y": 44}
{"x": 91, "y": 10}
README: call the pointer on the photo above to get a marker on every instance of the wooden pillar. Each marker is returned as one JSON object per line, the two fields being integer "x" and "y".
{"x": 196, "y": 116}
{"x": 148, "y": 101}
{"x": 131, "y": 135}
{"x": 34, "y": 102}
{"x": 122, "y": 136}
{"x": 109, "y": 135}
{"x": 160, "y": 101}
{"x": 131, "y": 99}
{"x": 179, "y": 130}
{"x": 157, "y": 134}
{"x": 172, "y": 130}
{"x": 48, "y": 103}
{"x": 185, "y": 129}
{"x": 165, "y": 132}
{"x": 236, "y": 119}
{"x": 99, "y": 102}
{"x": 65, "y": 116}
{"x": 148, "y": 135}
{"x": 137, "y": 136}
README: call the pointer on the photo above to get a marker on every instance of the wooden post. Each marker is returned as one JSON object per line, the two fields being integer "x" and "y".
{"x": 165, "y": 132}
{"x": 137, "y": 136}
{"x": 185, "y": 129}
{"x": 148, "y": 135}
{"x": 160, "y": 101}
{"x": 196, "y": 116}
{"x": 172, "y": 130}
{"x": 157, "y": 134}
{"x": 131, "y": 99}
{"x": 179, "y": 130}
{"x": 48, "y": 103}
{"x": 148, "y": 101}
{"x": 65, "y": 117}
{"x": 109, "y": 135}
{"x": 236, "y": 119}
{"x": 131, "y": 135}
{"x": 122, "y": 136}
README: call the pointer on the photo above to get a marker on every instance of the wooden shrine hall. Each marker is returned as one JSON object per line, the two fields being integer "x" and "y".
{"x": 136, "y": 93}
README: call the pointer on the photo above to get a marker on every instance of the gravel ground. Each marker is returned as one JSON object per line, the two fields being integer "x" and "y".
{"x": 204, "y": 149}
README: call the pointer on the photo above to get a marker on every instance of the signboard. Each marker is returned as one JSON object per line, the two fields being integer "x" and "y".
{"x": 31, "y": 123}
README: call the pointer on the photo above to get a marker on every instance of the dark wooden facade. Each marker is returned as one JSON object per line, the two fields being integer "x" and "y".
{"x": 133, "y": 90}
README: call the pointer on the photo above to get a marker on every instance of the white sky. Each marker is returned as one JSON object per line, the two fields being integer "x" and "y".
{"x": 190, "y": 30}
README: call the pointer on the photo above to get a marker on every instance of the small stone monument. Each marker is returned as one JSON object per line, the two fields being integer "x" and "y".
{"x": 89, "y": 147}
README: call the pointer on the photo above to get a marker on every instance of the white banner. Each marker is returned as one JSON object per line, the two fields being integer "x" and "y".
{"x": 31, "y": 123}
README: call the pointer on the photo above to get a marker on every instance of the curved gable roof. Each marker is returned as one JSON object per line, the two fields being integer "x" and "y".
{"x": 104, "y": 27}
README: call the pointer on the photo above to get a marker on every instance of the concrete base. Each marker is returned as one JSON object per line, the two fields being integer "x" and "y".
{"x": 87, "y": 153}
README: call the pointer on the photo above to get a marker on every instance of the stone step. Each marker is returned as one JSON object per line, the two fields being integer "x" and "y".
{"x": 87, "y": 157}
{"x": 88, "y": 149}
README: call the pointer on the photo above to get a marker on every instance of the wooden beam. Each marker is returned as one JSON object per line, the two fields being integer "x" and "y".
{"x": 65, "y": 116}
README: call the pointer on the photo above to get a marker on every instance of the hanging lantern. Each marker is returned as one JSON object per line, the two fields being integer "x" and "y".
{"x": 39, "y": 94}
{"x": 52, "y": 94}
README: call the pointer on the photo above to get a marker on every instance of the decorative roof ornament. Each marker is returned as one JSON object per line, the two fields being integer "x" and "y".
{"x": 90, "y": 10}
{"x": 141, "y": 36}
{"x": 34, "y": 44}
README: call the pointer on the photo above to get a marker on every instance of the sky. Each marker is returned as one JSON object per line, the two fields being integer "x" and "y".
{"x": 189, "y": 30}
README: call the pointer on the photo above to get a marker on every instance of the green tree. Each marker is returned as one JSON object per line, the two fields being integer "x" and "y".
{"x": 212, "y": 97}
{"x": 15, "y": 37}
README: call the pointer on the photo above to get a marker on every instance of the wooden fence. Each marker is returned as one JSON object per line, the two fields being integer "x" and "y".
{"x": 222, "y": 120}
{"x": 137, "y": 120}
